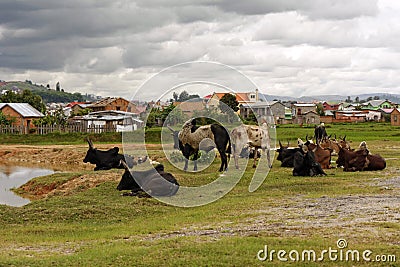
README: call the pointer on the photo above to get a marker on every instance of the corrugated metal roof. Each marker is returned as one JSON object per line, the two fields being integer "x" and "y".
{"x": 24, "y": 109}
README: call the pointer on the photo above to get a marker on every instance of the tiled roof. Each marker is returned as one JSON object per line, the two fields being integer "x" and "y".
{"x": 104, "y": 102}
{"x": 242, "y": 97}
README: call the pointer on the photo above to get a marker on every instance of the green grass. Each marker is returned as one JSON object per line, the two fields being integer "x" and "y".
{"x": 98, "y": 227}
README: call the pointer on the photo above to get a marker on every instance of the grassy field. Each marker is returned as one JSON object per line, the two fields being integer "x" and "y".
{"x": 98, "y": 227}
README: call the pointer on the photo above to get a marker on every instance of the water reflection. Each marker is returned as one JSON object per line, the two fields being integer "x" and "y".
{"x": 13, "y": 177}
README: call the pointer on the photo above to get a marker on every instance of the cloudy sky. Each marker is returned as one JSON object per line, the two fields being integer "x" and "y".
{"x": 286, "y": 47}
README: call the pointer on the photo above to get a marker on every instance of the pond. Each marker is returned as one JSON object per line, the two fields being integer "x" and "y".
{"x": 13, "y": 177}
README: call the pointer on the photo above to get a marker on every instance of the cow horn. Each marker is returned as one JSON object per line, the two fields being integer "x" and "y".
{"x": 280, "y": 144}
{"x": 169, "y": 127}
{"x": 121, "y": 162}
{"x": 89, "y": 142}
{"x": 344, "y": 138}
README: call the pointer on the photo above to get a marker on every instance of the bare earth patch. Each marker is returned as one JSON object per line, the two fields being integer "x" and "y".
{"x": 300, "y": 216}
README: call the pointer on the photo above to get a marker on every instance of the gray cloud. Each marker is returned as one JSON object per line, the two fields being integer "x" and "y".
{"x": 291, "y": 46}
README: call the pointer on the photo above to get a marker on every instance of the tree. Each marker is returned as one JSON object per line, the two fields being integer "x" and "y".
{"x": 26, "y": 97}
{"x": 58, "y": 118}
{"x": 376, "y": 97}
{"x": 320, "y": 109}
{"x": 175, "y": 96}
{"x": 183, "y": 96}
{"x": 58, "y": 87}
{"x": 229, "y": 105}
{"x": 357, "y": 99}
{"x": 172, "y": 115}
{"x": 5, "y": 119}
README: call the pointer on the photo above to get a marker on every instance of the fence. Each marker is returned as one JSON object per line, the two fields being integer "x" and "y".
{"x": 72, "y": 128}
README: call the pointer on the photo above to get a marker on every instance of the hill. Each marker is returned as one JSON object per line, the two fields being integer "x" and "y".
{"x": 335, "y": 98}
{"x": 48, "y": 95}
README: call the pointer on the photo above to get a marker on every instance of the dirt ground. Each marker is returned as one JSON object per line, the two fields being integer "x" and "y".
{"x": 59, "y": 158}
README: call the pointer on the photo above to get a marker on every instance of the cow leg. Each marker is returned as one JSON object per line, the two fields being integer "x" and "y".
{"x": 255, "y": 158}
{"x": 224, "y": 160}
{"x": 195, "y": 157}
{"x": 235, "y": 156}
{"x": 269, "y": 158}
{"x": 186, "y": 164}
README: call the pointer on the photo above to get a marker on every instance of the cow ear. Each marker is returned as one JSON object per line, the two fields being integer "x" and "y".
{"x": 116, "y": 149}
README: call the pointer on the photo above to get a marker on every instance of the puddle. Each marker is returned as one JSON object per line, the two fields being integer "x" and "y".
{"x": 13, "y": 177}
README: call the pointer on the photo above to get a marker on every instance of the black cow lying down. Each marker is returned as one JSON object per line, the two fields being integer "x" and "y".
{"x": 286, "y": 155}
{"x": 305, "y": 164}
{"x": 108, "y": 159}
{"x": 155, "y": 182}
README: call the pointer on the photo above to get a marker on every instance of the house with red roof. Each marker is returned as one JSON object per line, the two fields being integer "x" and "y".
{"x": 242, "y": 98}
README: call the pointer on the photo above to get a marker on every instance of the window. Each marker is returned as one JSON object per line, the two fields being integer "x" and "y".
{"x": 252, "y": 96}
{"x": 118, "y": 108}
{"x": 395, "y": 118}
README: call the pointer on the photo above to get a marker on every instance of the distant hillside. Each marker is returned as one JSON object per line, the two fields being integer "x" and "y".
{"x": 48, "y": 95}
{"x": 338, "y": 98}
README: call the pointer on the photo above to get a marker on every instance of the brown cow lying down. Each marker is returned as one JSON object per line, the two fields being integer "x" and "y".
{"x": 360, "y": 160}
{"x": 322, "y": 155}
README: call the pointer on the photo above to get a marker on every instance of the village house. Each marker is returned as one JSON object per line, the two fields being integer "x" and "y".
{"x": 278, "y": 110}
{"x": 190, "y": 106}
{"x": 386, "y": 114}
{"x": 73, "y": 108}
{"x": 113, "y": 103}
{"x": 330, "y": 106}
{"x": 395, "y": 117}
{"x": 377, "y": 104}
{"x": 262, "y": 111}
{"x": 311, "y": 117}
{"x": 23, "y": 114}
{"x": 351, "y": 115}
{"x": 241, "y": 98}
{"x": 302, "y": 108}
{"x": 110, "y": 120}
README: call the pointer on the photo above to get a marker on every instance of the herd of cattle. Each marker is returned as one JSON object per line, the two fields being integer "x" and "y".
{"x": 306, "y": 159}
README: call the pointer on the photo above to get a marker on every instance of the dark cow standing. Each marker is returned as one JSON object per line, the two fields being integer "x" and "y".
{"x": 106, "y": 160}
{"x": 220, "y": 138}
{"x": 155, "y": 182}
{"x": 320, "y": 133}
{"x": 305, "y": 164}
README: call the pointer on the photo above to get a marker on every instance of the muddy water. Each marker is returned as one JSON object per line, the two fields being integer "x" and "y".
{"x": 13, "y": 177}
